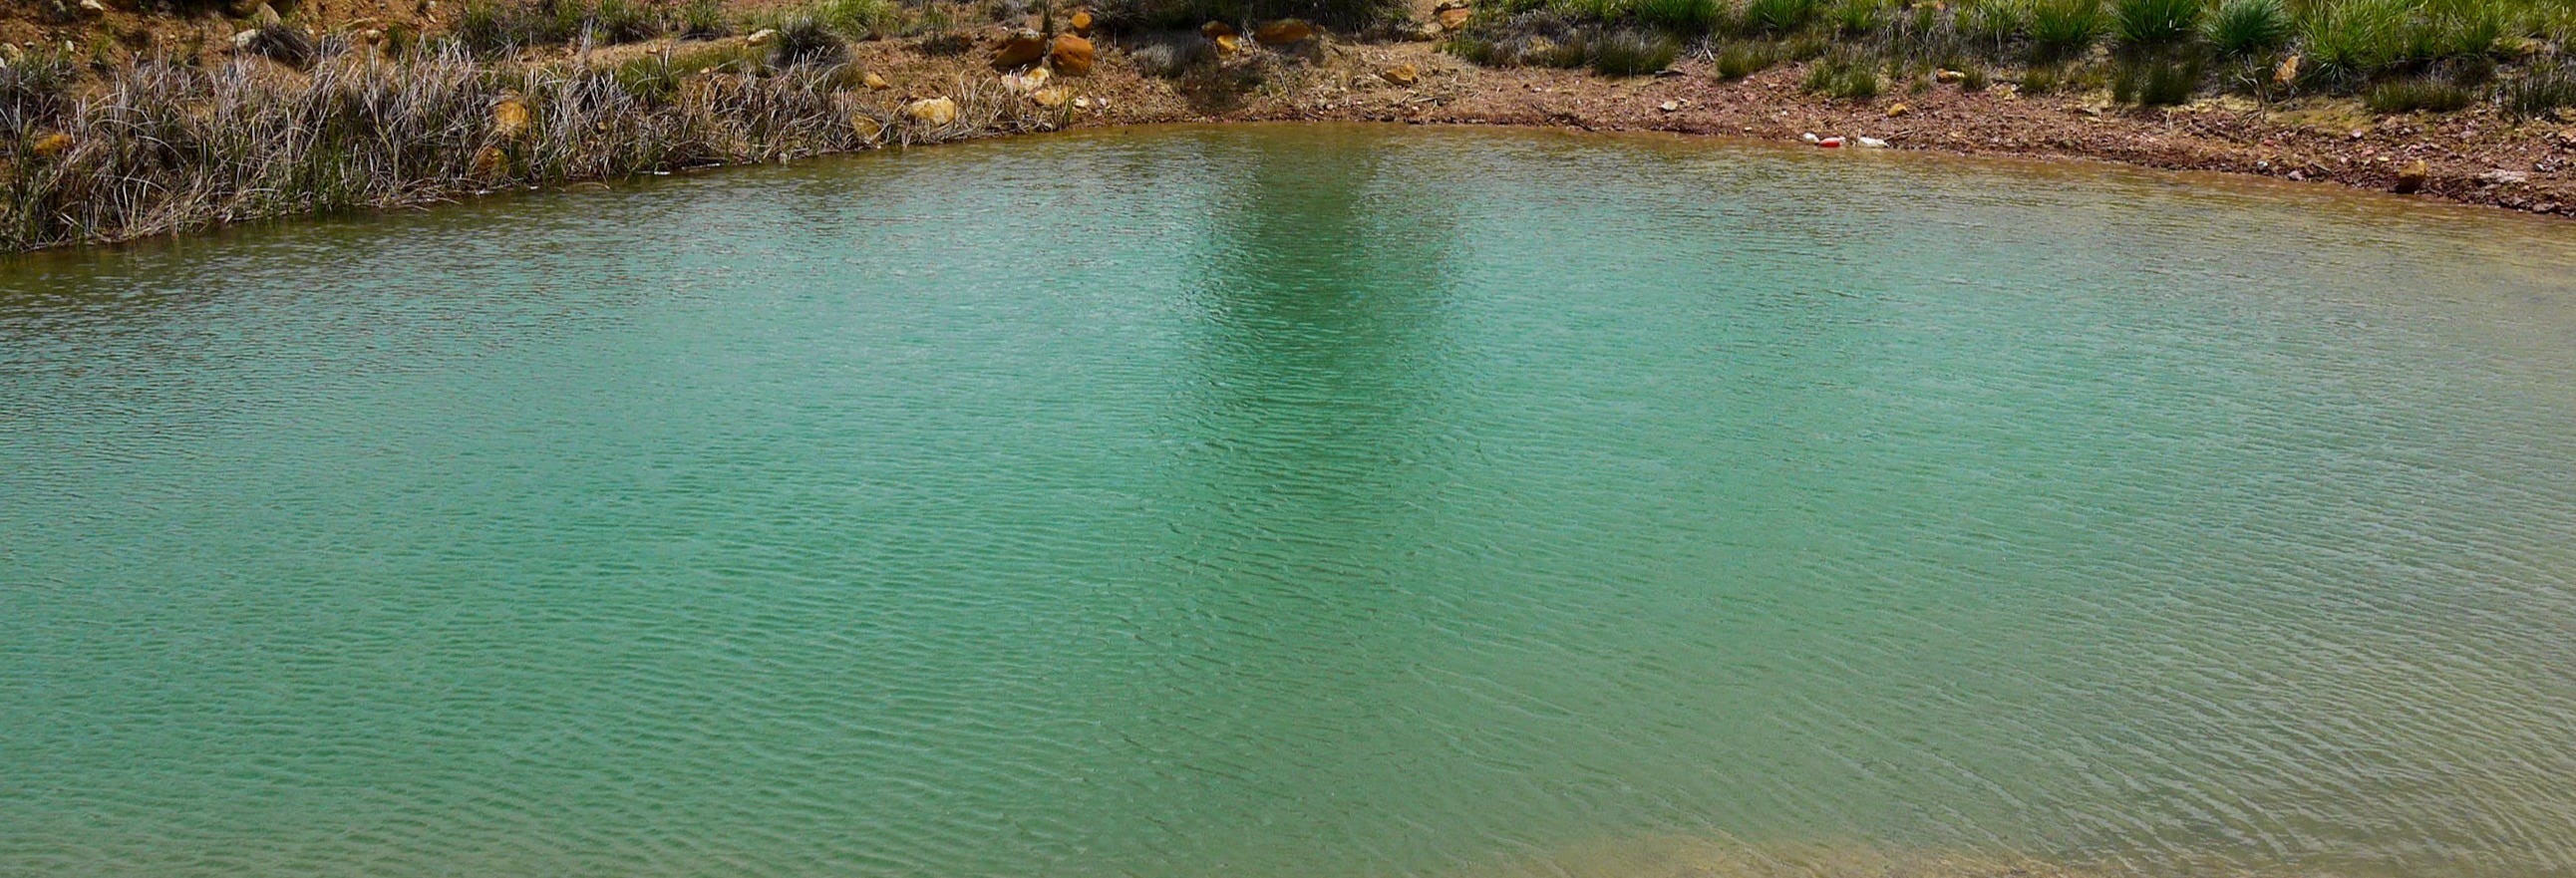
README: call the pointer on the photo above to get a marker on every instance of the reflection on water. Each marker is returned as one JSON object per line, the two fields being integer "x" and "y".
{"x": 1301, "y": 501}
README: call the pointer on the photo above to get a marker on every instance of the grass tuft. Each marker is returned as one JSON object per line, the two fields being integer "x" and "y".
{"x": 2247, "y": 28}
{"x": 2063, "y": 29}
{"x": 1843, "y": 75}
{"x": 1632, "y": 53}
{"x": 2157, "y": 23}
{"x": 2416, "y": 96}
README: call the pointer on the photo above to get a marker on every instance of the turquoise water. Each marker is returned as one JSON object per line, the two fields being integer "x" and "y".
{"x": 1301, "y": 501}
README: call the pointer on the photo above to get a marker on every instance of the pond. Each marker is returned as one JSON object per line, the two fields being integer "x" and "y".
{"x": 1301, "y": 501}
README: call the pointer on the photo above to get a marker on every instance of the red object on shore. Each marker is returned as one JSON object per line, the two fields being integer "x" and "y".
{"x": 1830, "y": 142}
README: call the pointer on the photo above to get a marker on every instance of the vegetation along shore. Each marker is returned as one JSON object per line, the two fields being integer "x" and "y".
{"x": 122, "y": 119}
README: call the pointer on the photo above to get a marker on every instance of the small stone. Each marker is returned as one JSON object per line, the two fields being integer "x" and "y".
{"x": 1081, "y": 22}
{"x": 932, "y": 111}
{"x": 1082, "y": 103}
{"x": 1283, "y": 32}
{"x": 2411, "y": 178}
{"x": 875, "y": 82}
{"x": 867, "y": 128}
{"x": 50, "y": 145}
{"x": 1072, "y": 55}
{"x": 1947, "y": 76}
{"x": 1451, "y": 16}
{"x": 371, "y": 36}
{"x": 266, "y": 16}
{"x": 1228, "y": 44}
{"x": 1401, "y": 74}
{"x": 2502, "y": 177}
{"x": 93, "y": 7}
{"x": 1215, "y": 29}
{"x": 762, "y": 37}
{"x": 1898, "y": 110}
{"x": 1670, "y": 106}
{"x": 1021, "y": 49}
{"x": 243, "y": 39}
{"x": 1049, "y": 98}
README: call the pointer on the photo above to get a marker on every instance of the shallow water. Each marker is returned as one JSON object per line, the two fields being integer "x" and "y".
{"x": 1300, "y": 501}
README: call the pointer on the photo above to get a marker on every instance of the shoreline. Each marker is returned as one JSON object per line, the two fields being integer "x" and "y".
{"x": 2473, "y": 157}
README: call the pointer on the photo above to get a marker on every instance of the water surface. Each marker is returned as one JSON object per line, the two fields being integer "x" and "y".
{"x": 1299, "y": 501}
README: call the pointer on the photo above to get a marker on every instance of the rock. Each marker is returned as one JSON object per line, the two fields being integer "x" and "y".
{"x": 867, "y": 128}
{"x": 243, "y": 39}
{"x": 1419, "y": 31}
{"x": 1215, "y": 29}
{"x": 2411, "y": 178}
{"x": 1670, "y": 106}
{"x": 1072, "y": 55}
{"x": 243, "y": 8}
{"x": 1451, "y": 16}
{"x": 509, "y": 117}
{"x": 875, "y": 82}
{"x": 2502, "y": 177}
{"x": 931, "y": 111}
{"x": 52, "y": 144}
{"x": 2287, "y": 73}
{"x": 1082, "y": 103}
{"x": 1023, "y": 48}
{"x": 1049, "y": 98}
{"x": 1081, "y": 22}
{"x": 1024, "y": 83}
{"x": 1898, "y": 110}
{"x": 1228, "y": 44}
{"x": 762, "y": 37}
{"x": 93, "y": 7}
{"x": 1283, "y": 32}
{"x": 372, "y": 36}
{"x": 266, "y": 16}
{"x": 1401, "y": 74}
{"x": 1946, "y": 76}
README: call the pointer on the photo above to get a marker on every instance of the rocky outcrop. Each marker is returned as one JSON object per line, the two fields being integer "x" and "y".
{"x": 1071, "y": 55}
{"x": 1021, "y": 49}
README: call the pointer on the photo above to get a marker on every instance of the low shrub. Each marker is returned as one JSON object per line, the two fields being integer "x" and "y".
{"x": 804, "y": 39}
{"x": 1995, "y": 24}
{"x": 1686, "y": 17}
{"x": 1739, "y": 60}
{"x": 2156, "y": 84}
{"x": 1843, "y": 75}
{"x": 2345, "y": 42}
{"x": 1632, "y": 53}
{"x": 704, "y": 20}
{"x": 1853, "y": 18}
{"x": 1778, "y": 17}
{"x": 2540, "y": 90}
{"x": 2416, "y": 95}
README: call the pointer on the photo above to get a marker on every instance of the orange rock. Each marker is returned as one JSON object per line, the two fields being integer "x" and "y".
{"x": 875, "y": 82}
{"x": 1215, "y": 29}
{"x": 932, "y": 111}
{"x": 1020, "y": 50}
{"x": 1401, "y": 74}
{"x": 1049, "y": 98}
{"x": 1283, "y": 32}
{"x": 867, "y": 127}
{"x": 1072, "y": 55}
{"x": 1451, "y": 17}
{"x": 1082, "y": 22}
{"x": 2412, "y": 178}
{"x": 1228, "y": 44}
{"x": 509, "y": 118}
{"x": 52, "y": 144}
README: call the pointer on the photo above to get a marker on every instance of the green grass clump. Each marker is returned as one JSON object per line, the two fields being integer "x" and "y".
{"x": 2062, "y": 29}
{"x": 1844, "y": 75}
{"x": 804, "y": 39}
{"x": 1739, "y": 60}
{"x": 1994, "y": 24}
{"x": 2416, "y": 95}
{"x": 703, "y": 20}
{"x": 2247, "y": 28}
{"x": 2040, "y": 79}
{"x": 1632, "y": 53}
{"x": 2538, "y": 91}
{"x": 2156, "y": 84}
{"x": 1687, "y": 17}
{"x": 2153, "y": 23}
{"x": 859, "y": 19}
{"x": 625, "y": 21}
{"x": 2347, "y": 41}
{"x": 1778, "y": 16}
{"x": 1853, "y": 18}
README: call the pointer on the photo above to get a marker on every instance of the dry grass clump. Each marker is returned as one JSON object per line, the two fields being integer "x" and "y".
{"x": 160, "y": 147}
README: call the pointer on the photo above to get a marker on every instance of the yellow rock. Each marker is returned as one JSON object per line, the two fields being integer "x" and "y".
{"x": 867, "y": 127}
{"x": 490, "y": 163}
{"x": 1401, "y": 74}
{"x": 1899, "y": 110}
{"x": 52, "y": 144}
{"x": 1049, "y": 98}
{"x": 1025, "y": 83}
{"x": 1215, "y": 29}
{"x": 1946, "y": 76}
{"x": 1072, "y": 55}
{"x": 1228, "y": 44}
{"x": 875, "y": 82}
{"x": 932, "y": 111}
{"x": 1020, "y": 50}
{"x": 509, "y": 117}
{"x": 1670, "y": 106}
{"x": 1081, "y": 22}
{"x": 1283, "y": 32}
{"x": 2412, "y": 178}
